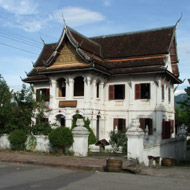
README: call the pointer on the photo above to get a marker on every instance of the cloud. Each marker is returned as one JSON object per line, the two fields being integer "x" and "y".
{"x": 107, "y": 3}
{"x": 76, "y": 16}
{"x": 177, "y": 92}
{"x": 21, "y": 7}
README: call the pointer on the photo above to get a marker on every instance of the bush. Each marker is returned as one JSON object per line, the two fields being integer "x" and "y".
{"x": 117, "y": 140}
{"x": 41, "y": 129}
{"x": 61, "y": 138}
{"x": 91, "y": 137}
{"x": 17, "y": 139}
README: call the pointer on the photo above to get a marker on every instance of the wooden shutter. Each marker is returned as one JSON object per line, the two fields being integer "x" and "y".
{"x": 163, "y": 129}
{"x": 37, "y": 94}
{"x": 124, "y": 125}
{"x": 150, "y": 129}
{"x": 111, "y": 92}
{"x": 142, "y": 124}
{"x": 137, "y": 91}
{"x": 123, "y": 91}
{"x": 47, "y": 94}
{"x": 60, "y": 88}
{"x": 115, "y": 123}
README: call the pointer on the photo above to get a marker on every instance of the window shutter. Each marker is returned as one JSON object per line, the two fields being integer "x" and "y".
{"x": 137, "y": 91}
{"x": 150, "y": 127}
{"x": 123, "y": 91}
{"x": 115, "y": 123}
{"x": 59, "y": 89}
{"x": 124, "y": 125}
{"x": 163, "y": 129}
{"x": 47, "y": 94}
{"x": 111, "y": 92}
{"x": 142, "y": 123}
{"x": 172, "y": 126}
{"x": 37, "y": 94}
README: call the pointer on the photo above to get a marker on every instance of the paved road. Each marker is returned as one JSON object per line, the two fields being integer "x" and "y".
{"x": 29, "y": 177}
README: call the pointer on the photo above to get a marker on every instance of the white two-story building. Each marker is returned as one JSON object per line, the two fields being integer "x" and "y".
{"x": 111, "y": 80}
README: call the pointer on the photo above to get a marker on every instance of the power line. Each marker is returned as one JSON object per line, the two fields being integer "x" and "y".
{"x": 17, "y": 40}
{"x": 20, "y": 36}
{"x": 18, "y": 48}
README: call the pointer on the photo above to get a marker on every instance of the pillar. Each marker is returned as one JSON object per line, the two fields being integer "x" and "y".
{"x": 80, "y": 136}
{"x": 53, "y": 89}
{"x": 69, "y": 89}
{"x": 135, "y": 137}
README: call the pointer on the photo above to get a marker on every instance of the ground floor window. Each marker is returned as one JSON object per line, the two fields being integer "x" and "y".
{"x": 146, "y": 123}
{"x": 60, "y": 120}
{"x": 119, "y": 124}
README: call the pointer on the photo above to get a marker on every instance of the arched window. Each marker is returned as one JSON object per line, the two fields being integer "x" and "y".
{"x": 61, "y": 87}
{"x": 79, "y": 86}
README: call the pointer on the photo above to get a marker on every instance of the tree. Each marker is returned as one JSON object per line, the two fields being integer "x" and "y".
{"x": 5, "y": 107}
{"x": 185, "y": 108}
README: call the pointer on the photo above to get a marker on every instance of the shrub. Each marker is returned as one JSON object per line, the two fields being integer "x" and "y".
{"x": 91, "y": 137}
{"x": 61, "y": 138}
{"x": 41, "y": 128}
{"x": 17, "y": 139}
{"x": 117, "y": 140}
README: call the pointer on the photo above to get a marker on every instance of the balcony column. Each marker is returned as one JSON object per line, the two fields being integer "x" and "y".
{"x": 53, "y": 89}
{"x": 101, "y": 89}
{"x": 69, "y": 89}
{"x": 94, "y": 90}
{"x": 87, "y": 90}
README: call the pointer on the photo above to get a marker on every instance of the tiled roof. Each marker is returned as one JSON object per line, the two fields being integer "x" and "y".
{"x": 143, "y": 51}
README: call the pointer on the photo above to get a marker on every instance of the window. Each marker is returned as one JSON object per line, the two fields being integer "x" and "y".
{"x": 98, "y": 90}
{"x": 42, "y": 94}
{"x": 146, "y": 122}
{"x": 117, "y": 92}
{"x": 119, "y": 124}
{"x": 163, "y": 93}
{"x": 142, "y": 91}
{"x": 79, "y": 86}
{"x": 169, "y": 95}
{"x": 61, "y": 87}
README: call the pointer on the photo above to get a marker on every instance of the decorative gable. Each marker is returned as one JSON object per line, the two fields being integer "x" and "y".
{"x": 68, "y": 55}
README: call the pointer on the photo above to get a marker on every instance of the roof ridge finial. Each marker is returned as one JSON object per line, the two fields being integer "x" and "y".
{"x": 65, "y": 25}
{"x": 179, "y": 19}
{"x": 42, "y": 40}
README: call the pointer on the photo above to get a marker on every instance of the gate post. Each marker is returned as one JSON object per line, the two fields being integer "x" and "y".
{"x": 80, "y": 136}
{"x": 135, "y": 137}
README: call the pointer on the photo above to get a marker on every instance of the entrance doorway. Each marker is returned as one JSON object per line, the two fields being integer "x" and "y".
{"x": 97, "y": 127}
{"x": 60, "y": 120}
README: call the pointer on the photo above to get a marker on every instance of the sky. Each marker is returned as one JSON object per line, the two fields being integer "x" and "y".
{"x": 26, "y": 24}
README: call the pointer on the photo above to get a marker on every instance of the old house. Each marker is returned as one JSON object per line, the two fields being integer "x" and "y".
{"x": 111, "y": 80}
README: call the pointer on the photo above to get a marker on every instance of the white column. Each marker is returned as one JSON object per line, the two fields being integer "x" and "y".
{"x": 94, "y": 90}
{"x": 87, "y": 91}
{"x": 101, "y": 89}
{"x": 53, "y": 89}
{"x": 69, "y": 89}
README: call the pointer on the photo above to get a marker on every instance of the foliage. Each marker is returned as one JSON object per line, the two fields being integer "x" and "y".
{"x": 17, "y": 139}
{"x": 23, "y": 105}
{"x": 92, "y": 137}
{"x": 185, "y": 108}
{"x": 42, "y": 128}
{"x": 61, "y": 137}
{"x": 5, "y": 107}
{"x": 118, "y": 139}
{"x": 32, "y": 142}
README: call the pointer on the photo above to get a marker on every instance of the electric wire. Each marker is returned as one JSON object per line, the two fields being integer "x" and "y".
{"x": 18, "y": 48}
